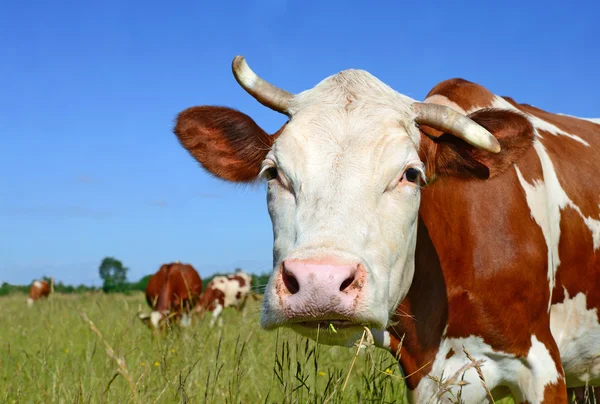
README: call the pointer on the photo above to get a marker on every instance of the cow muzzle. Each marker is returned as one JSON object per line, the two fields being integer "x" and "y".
{"x": 320, "y": 293}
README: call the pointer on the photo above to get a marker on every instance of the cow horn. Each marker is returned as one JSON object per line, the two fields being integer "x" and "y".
{"x": 264, "y": 92}
{"x": 448, "y": 120}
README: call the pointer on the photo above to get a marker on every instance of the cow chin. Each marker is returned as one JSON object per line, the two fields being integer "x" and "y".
{"x": 327, "y": 327}
{"x": 331, "y": 332}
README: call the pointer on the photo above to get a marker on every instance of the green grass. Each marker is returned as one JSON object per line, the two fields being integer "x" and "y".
{"x": 50, "y": 354}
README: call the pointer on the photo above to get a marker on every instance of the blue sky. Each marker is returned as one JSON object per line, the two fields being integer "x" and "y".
{"x": 89, "y": 90}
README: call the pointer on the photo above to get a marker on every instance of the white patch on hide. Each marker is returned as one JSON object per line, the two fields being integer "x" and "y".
{"x": 546, "y": 198}
{"x": 577, "y": 333}
{"x": 594, "y": 120}
{"x": 215, "y": 315}
{"x": 537, "y": 123}
{"x": 443, "y": 100}
{"x": 530, "y": 375}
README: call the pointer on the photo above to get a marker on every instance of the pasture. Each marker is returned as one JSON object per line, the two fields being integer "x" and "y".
{"x": 51, "y": 354}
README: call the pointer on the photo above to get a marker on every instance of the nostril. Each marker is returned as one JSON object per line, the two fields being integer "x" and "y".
{"x": 346, "y": 283}
{"x": 290, "y": 281}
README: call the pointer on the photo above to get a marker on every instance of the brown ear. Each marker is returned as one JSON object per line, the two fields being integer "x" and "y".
{"x": 449, "y": 155}
{"x": 228, "y": 143}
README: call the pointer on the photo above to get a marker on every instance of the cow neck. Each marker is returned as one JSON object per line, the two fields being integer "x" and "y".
{"x": 422, "y": 316}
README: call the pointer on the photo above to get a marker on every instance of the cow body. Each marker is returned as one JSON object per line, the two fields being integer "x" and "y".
{"x": 172, "y": 292}
{"x": 39, "y": 289}
{"x": 471, "y": 259}
{"x": 225, "y": 291}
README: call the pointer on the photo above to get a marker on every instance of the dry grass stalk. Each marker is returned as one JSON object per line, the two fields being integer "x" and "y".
{"x": 480, "y": 373}
{"x": 362, "y": 338}
{"x": 111, "y": 353}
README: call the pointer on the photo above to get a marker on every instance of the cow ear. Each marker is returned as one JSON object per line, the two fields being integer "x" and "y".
{"x": 455, "y": 157}
{"x": 226, "y": 142}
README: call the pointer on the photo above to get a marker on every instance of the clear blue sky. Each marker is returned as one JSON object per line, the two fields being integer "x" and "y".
{"x": 89, "y": 90}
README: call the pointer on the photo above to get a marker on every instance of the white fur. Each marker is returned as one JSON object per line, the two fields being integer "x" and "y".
{"x": 546, "y": 198}
{"x": 29, "y": 302}
{"x": 155, "y": 318}
{"x": 577, "y": 333}
{"x": 539, "y": 124}
{"x": 349, "y": 138}
{"x": 216, "y": 315}
{"x": 595, "y": 120}
{"x": 231, "y": 287}
{"x": 37, "y": 284}
{"x": 443, "y": 100}
{"x": 526, "y": 378}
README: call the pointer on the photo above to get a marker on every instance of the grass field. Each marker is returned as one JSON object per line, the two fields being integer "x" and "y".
{"x": 51, "y": 354}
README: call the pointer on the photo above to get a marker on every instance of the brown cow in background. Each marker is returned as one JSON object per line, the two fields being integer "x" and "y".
{"x": 39, "y": 289}
{"x": 172, "y": 292}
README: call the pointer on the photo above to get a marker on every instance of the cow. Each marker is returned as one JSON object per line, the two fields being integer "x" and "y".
{"x": 224, "y": 291}
{"x": 172, "y": 293}
{"x": 39, "y": 289}
{"x": 461, "y": 231}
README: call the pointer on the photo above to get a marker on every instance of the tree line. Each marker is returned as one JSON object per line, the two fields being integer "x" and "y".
{"x": 114, "y": 280}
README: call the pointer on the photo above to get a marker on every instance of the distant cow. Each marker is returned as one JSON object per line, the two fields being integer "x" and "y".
{"x": 225, "y": 291}
{"x": 39, "y": 289}
{"x": 172, "y": 292}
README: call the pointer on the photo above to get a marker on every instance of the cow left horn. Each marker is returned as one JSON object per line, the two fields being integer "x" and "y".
{"x": 448, "y": 120}
{"x": 264, "y": 92}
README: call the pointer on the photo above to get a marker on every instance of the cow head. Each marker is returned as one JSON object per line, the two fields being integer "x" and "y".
{"x": 157, "y": 320}
{"x": 344, "y": 180}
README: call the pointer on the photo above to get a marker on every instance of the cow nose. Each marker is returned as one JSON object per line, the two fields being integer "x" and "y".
{"x": 306, "y": 276}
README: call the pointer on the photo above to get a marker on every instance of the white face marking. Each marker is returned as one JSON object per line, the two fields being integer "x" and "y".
{"x": 155, "y": 318}
{"x": 29, "y": 302}
{"x": 340, "y": 160}
{"x": 529, "y": 376}
{"x": 577, "y": 332}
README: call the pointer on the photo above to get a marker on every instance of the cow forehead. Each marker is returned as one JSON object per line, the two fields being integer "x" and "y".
{"x": 351, "y": 87}
{"x": 351, "y": 115}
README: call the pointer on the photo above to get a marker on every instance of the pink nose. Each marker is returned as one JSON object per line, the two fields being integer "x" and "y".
{"x": 320, "y": 289}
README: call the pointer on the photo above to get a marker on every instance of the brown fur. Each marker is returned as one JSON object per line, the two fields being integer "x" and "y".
{"x": 36, "y": 293}
{"x": 226, "y": 142}
{"x": 174, "y": 287}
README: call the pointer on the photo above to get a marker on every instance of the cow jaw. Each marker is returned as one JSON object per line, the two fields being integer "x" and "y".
{"x": 344, "y": 221}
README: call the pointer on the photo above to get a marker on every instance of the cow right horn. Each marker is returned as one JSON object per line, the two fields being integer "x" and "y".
{"x": 448, "y": 120}
{"x": 266, "y": 93}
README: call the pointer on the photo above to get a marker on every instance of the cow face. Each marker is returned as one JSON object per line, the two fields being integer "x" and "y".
{"x": 344, "y": 179}
{"x": 343, "y": 196}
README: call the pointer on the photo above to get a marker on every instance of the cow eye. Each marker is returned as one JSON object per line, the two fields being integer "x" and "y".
{"x": 411, "y": 175}
{"x": 271, "y": 173}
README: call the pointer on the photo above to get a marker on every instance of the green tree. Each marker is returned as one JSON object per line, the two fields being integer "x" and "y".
{"x": 113, "y": 274}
